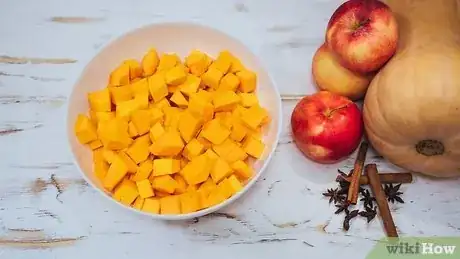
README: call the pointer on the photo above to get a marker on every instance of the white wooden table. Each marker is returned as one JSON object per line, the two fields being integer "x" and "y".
{"x": 48, "y": 211}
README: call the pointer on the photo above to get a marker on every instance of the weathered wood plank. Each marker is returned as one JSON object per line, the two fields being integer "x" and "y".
{"x": 74, "y": 19}
{"x": 24, "y": 60}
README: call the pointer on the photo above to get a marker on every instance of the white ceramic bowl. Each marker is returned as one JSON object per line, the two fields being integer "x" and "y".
{"x": 180, "y": 38}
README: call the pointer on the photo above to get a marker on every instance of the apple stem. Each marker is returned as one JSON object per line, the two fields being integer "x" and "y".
{"x": 329, "y": 113}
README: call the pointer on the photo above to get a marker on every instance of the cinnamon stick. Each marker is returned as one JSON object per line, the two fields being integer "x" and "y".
{"x": 353, "y": 190}
{"x": 382, "y": 203}
{"x": 403, "y": 177}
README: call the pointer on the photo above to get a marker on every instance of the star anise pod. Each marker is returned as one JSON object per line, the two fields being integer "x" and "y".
{"x": 344, "y": 184}
{"x": 369, "y": 213}
{"x": 334, "y": 196}
{"x": 343, "y": 206}
{"x": 367, "y": 198}
{"x": 392, "y": 192}
{"x": 348, "y": 217}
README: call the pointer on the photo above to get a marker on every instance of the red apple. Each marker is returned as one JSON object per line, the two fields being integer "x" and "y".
{"x": 363, "y": 34}
{"x": 326, "y": 127}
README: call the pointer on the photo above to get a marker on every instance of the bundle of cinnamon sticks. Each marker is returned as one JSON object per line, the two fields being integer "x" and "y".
{"x": 375, "y": 180}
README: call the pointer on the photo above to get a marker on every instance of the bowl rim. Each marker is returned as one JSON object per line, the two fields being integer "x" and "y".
{"x": 203, "y": 212}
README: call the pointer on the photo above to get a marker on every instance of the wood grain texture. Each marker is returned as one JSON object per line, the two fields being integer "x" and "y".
{"x": 74, "y": 19}
{"x": 45, "y": 204}
{"x": 33, "y": 60}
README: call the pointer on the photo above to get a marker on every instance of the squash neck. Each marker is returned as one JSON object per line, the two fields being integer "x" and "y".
{"x": 427, "y": 18}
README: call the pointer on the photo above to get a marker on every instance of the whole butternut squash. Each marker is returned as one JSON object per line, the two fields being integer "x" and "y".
{"x": 412, "y": 108}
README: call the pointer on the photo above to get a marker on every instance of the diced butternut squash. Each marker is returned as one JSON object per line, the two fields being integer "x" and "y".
{"x": 170, "y": 144}
{"x": 190, "y": 202}
{"x": 253, "y": 147}
{"x": 84, "y": 129}
{"x": 223, "y": 62}
{"x": 157, "y": 86}
{"x": 220, "y": 170}
{"x": 192, "y": 187}
{"x": 156, "y": 131}
{"x": 100, "y": 168}
{"x": 179, "y": 99}
{"x": 226, "y": 119}
{"x": 135, "y": 69}
{"x": 143, "y": 171}
{"x": 225, "y": 100}
{"x": 181, "y": 184}
{"x": 209, "y": 184}
{"x": 126, "y": 108}
{"x": 230, "y": 151}
{"x": 212, "y": 77}
{"x": 193, "y": 149}
{"x": 229, "y": 82}
{"x": 139, "y": 150}
{"x": 190, "y": 86}
{"x": 140, "y": 87}
{"x": 150, "y": 62}
{"x": 234, "y": 183}
{"x": 236, "y": 65}
{"x": 160, "y": 194}
{"x": 97, "y": 117}
{"x": 114, "y": 134}
{"x": 142, "y": 101}
{"x": 170, "y": 205}
{"x": 183, "y": 162}
{"x": 219, "y": 194}
{"x": 138, "y": 203}
{"x": 132, "y": 131}
{"x": 151, "y": 205}
{"x": 198, "y": 170}
{"x": 132, "y": 166}
{"x": 100, "y": 101}
{"x": 120, "y": 76}
{"x": 169, "y": 137}
{"x": 141, "y": 119}
{"x": 172, "y": 117}
{"x": 117, "y": 171}
{"x": 242, "y": 170}
{"x": 224, "y": 190}
{"x": 98, "y": 155}
{"x": 164, "y": 166}
{"x": 120, "y": 94}
{"x": 248, "y": 81}
{"x": 254, "y": 117}
{"x": 126, "y": 192}
{"x": 175, "y": 76}
{"x": 206, "y": 143}
{"x": 198, "y": 62}
{"x": 248, "y": 99}
{"x": 164, "y": 183}
{"x": 145, "y": 188}
{"x": 204, "y": 197}
{"x": 206, "y": 96}
{"x": 211, "y": 154}
{"x": 189, "y": 125}
{"x": 168, "y": 61}
{"x": 108, "y": 155}
{"x": 215, "y": 132}
{"x": 156, "y": 115}
{"x": 163, "y": 103}
{"x": 239, "y": 130}
{"x": 201, "y": 107}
